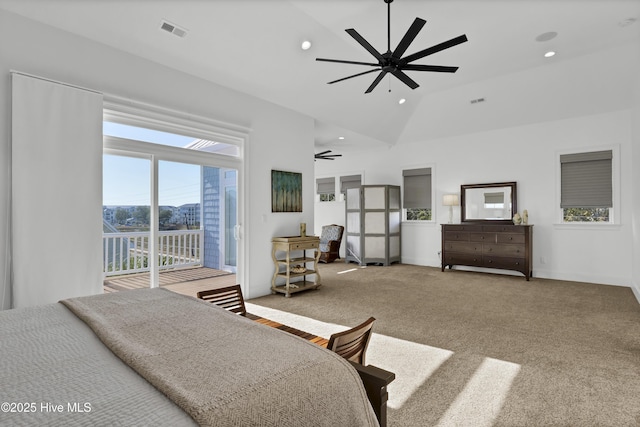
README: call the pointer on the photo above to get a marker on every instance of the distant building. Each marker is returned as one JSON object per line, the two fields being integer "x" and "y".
{"x": 175, "y": 214}
{"x": 190, "y": 214}
{"x": 109, "y": 215}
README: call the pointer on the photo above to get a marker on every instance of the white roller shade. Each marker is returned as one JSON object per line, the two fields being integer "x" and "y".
{"x": 326, "y": 185}
{"x": 349, "y": 181}
{"x": 417, "y": 188}
{"x": 586, "y": 180}
{"x": 56, "y": 221}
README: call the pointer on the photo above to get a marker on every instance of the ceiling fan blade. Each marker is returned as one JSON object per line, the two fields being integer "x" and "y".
{"x": 353, "y": 33}
{"x": 322, "y": 153}
{"x": 340, "y": 61}
{"x": 433, "y": 49}
{"x": 376, "y": 81}
{"x": 405, "y": 79}
{"x": 355, "y": 75}
{"x": 408, "y": 38}
{"x": 436, "y": 68}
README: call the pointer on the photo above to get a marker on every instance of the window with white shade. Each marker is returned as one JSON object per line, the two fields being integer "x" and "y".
{"x": 417, "y": 191}
{"x": 494, "y": 200}
{"x": 587, "y": 186}
{"x": 349, "y": 181}
{"x": 326, "y": 189}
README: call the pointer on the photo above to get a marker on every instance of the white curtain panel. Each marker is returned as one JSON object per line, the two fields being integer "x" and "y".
{"x": 56, "y": 214}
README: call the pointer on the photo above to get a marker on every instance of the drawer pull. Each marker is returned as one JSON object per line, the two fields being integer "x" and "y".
{"x": 510, "y": 238}
{"x": 490, "y": 261}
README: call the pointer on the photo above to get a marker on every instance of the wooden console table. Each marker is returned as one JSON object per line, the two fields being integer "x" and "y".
{"x": 295, "y": 253}
{"x": 507, "y": 247}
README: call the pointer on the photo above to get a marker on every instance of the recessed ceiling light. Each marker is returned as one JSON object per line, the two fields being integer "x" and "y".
{"x": 549, "y": 54}
{"x": 306, "y": 45}
{"x": 341, "y": 137}
{"x": 402, "y": 101}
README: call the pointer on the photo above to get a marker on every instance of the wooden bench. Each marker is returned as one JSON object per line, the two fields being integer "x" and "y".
{"x": 374, "y": 379}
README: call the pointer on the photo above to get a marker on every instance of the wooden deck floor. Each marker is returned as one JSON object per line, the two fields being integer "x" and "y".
{"x": 187, "y": 281}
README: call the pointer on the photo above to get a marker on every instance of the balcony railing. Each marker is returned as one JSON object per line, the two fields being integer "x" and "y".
{"x": 126, "y": 253}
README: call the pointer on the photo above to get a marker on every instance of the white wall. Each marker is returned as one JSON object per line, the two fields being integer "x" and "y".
{"x": 280, "y": 138}
{"x": 528, "y": 155}
{"x": 635, "y": 134}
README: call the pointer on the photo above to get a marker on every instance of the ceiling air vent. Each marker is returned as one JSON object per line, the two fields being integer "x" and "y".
{"x": 173, "y": 29}
{"x": 477, "y": 100}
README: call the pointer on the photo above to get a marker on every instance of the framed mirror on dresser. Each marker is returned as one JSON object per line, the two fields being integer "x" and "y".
{"x": 487, "y": 236}
{"x": 488, "y": 202}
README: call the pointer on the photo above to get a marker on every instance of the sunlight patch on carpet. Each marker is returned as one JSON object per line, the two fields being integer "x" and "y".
{"x": 481, "y": 400}
{"x": 412, "y": 363}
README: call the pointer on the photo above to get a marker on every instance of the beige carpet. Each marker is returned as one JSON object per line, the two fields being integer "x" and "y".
{"x": 476, "y": 349}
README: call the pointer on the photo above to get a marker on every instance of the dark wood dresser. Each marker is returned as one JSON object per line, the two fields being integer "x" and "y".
{"x": 503, "y": 246}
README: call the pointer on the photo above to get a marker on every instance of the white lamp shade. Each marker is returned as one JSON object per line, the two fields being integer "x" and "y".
{"x": 450, "y": 200}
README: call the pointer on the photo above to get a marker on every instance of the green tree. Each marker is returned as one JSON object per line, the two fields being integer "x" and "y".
{"x": 418, "y": 214}
{"x": 586, "y": 214}
{"x": 121, "y": 215}
{"x": 165, "y": 216}
{"x": 141, "y": 214}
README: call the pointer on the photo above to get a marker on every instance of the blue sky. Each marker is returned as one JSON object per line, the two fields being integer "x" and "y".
{"x": 126, "y": 180}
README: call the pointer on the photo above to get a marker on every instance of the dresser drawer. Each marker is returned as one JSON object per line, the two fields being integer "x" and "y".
{"x": 507, "y": 263}
{"x": 456, "y": 235}
{"x": 503, "y": 250}
{"x": 517, "y": 229}
{"x": 466, "y": 247}
{"x": 456, "y": 258}
{"x": 482, "y": 237}
{"x": 460, "y": 227}
{"x": 302, "y": 246}
{"x": 510, "y": 238}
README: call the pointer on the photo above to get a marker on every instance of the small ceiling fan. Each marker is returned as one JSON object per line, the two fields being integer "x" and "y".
{"x": 326, "y": 156}
{"x": 393, "y": 62}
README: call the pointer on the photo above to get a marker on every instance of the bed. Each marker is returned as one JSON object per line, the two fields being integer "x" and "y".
{"x": 154, "y": 357}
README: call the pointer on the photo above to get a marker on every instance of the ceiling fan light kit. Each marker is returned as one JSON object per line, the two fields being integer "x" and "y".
{"x": 392, "y": 62}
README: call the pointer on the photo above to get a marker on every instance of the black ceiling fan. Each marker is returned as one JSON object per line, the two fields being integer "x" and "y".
{"x": 326, "y": 156}
{"x": 393, "y": 62}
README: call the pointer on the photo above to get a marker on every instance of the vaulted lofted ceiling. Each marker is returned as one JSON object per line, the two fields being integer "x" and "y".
{"x": 253, "y": 46}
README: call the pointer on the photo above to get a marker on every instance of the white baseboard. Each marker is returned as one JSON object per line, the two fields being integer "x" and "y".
{"x": 435, "y": 262}
{"x": 576, "y": 277}
{"x": 542, "y": 274}
{"x": 635, "y": 287}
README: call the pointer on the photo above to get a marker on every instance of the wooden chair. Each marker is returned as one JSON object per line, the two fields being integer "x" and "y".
{"x": 229, "y": 298}
{"x": 352, "y": 344}
{"x": 330, "y": 239}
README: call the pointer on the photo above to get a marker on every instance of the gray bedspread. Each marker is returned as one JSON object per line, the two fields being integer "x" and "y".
{"x": 223, "y": 369}
{"x": 48, "y": 358}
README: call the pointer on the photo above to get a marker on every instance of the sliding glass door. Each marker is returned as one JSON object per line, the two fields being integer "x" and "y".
{"x": 166, "y": 207}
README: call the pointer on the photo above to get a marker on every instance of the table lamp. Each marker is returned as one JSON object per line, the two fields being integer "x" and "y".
{"x": 450, "y": 200}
